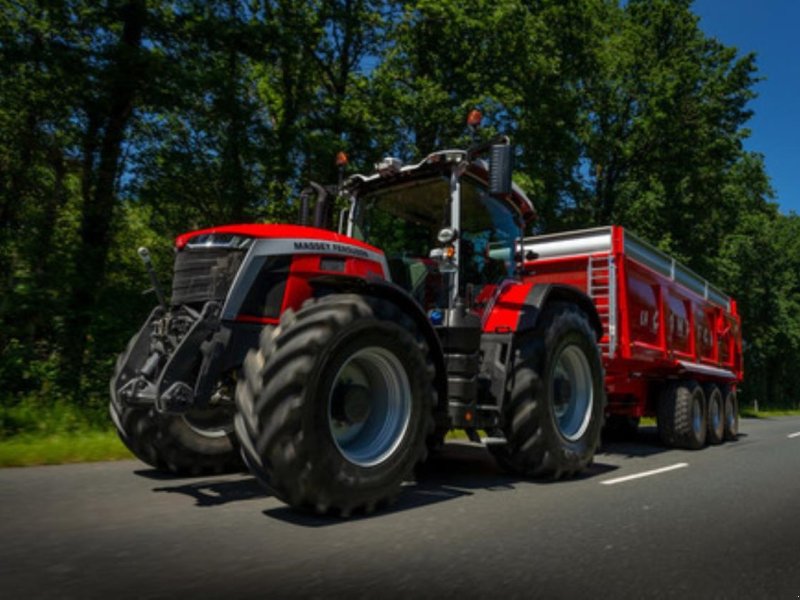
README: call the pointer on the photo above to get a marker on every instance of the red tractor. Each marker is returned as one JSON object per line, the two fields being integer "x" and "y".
{"x": 333, "y": 362}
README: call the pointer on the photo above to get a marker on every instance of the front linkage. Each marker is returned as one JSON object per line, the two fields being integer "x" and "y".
{"x": 162, "y": 366}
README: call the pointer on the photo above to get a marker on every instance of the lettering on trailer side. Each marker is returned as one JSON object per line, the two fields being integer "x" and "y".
{"x": 648, "y": 320}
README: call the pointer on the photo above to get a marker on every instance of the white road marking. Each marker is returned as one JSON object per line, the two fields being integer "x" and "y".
{"x": 644, "y": 474}
{"x": 793, "y": 435}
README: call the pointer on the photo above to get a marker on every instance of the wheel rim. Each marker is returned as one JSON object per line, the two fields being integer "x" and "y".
{"x": 697, "y": 416}
{"x": 216, "y": 421}
{"x": 714, "y": 414}
{"x": 209, "y": 423}
{"x": 572, "y": 393}
{"x": 729, "y": 414}
{"x": 369, "y": 406}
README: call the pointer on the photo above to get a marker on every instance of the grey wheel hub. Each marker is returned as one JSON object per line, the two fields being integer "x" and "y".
{"x": 572, "y": 392}
{"x": 369, "y": 406}
{"x": 697, "y": 416}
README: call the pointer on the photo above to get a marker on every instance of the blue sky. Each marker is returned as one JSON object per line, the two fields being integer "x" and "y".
{"x": 771, "y": 29}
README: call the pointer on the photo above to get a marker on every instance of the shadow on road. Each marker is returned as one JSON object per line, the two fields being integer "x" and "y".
{"x": 216, "y": 493}
{"x": 645, "y": 442}
{"x": 458, "y": 470}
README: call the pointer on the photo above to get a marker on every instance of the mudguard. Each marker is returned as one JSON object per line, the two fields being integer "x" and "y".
{"x": 517, "y": 307}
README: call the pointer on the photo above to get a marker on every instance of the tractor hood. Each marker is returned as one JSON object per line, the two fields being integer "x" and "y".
{"x": 234, "y": 236}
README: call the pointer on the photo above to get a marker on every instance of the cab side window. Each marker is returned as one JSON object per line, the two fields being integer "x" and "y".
{"x": 488, "y": 234}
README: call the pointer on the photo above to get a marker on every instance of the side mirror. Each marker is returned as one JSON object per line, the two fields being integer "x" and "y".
{"x": 501, "y": 164}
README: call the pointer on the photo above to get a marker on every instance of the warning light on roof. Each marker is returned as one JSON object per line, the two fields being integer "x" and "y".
{"x": 341, "y": 159}
{"x": 474, "y": 118}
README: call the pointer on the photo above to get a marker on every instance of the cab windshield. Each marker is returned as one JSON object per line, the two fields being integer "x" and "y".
{"x": 404, "y": 220}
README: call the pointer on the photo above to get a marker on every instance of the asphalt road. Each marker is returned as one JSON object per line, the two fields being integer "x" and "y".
{"x": 723, "y": 522}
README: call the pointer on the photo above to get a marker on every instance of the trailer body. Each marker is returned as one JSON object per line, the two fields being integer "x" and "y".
{"x": 661, "y": 321}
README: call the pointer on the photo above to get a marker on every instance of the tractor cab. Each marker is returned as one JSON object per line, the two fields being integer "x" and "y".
{"x": 448, "y": 229}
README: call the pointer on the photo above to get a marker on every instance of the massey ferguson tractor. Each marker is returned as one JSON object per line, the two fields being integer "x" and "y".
{"x": 332, "y": 363}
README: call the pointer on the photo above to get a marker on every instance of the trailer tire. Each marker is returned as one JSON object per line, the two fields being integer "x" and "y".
{"x": 715, "y": 414}
{"x": 336, "y": 404}
{"x": 198, "y": 443}
{"x": 731, "y": 415}
{"x": 682, "y": 418}
{"x": 553, "y": 416}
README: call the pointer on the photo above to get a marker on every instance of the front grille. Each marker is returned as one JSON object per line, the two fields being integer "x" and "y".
{"x": 203, "y": 274}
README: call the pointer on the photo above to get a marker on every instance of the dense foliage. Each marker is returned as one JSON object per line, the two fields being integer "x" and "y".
{"x": 125, "y": 122}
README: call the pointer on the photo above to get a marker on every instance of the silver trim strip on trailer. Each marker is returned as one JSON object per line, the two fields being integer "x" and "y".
{"x": 598, "y": 239}
{"x": 706, "y": 370}
{"x": 647, "y": 254}
{"x": 584, "y": 241}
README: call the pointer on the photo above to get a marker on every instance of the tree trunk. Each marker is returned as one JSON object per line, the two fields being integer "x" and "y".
{"x": 124, "y": 77}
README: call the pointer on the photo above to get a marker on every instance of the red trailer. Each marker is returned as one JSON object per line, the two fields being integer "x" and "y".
{"x": 672, "y": 345}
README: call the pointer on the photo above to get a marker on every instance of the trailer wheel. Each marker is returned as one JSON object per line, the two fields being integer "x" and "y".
{"x": 731, "y": 415}
{"x": 336, "y": 404}
{"x": 200, "y": 442}
{"x": 682, "y": 418}
{"x": 716, "y": 414}
{"x": 554, "y": 413}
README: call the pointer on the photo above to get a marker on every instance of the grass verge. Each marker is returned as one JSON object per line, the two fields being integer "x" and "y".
{"x": 38, "y": 448}
{"x": 60, "y": 448}
{"x": 749, "y": 413}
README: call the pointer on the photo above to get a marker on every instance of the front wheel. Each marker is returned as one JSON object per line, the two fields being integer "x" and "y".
{"x": 337, "y": 404}
{"x": 200, "y": 442}
{"x": 554, "y": 413}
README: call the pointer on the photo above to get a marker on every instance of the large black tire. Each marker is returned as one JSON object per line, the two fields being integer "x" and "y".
{"x": 550, "y": 429}
{"x": 198, "y": 443}
{"x": 682, "y": 417}
{"x": 730, "y": 405}
{"x": 716, "y": 414}
{"x": 336, "y": 404}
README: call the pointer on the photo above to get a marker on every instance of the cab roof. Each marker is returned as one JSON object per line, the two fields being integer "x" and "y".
{"x": 390, "y": 171}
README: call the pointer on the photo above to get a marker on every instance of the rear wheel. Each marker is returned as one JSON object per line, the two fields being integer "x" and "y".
{"x": 731, "y": 415}
{"x": 716, "y": 415}
{"x": 554, "y": 413}
{"x": 199, "y": 442}
{"x": 682, "y": 418}
{"x": 337, "y": 404}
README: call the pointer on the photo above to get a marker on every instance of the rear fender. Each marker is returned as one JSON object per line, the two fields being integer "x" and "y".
{"x": 518, "y": 307}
